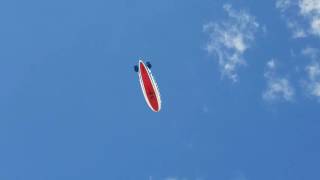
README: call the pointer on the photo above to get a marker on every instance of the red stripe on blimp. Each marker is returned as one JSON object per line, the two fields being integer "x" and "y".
{"x": 149, "y": 88}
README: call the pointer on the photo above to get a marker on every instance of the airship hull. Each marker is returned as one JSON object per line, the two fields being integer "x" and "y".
{"x": 149, "y": 87}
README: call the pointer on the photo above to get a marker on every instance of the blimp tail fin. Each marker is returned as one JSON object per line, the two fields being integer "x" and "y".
{"x": 136, "y": 68}
{"x": 148, "y": 64}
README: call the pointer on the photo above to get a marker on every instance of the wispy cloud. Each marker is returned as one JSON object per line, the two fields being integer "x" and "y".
{"x": 283, "y": 5}
{"x": 278, "y": 88}
{"x": 312, "y": 84}
{"x": 302, "y": 16}
{"x": 313, "y": 71}
{"x": 310, "y": 52}
{"x": 229, "y": 40}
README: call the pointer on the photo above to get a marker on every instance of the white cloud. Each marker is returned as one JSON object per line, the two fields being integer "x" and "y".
{"x": 310, "y": 52}
{"x": 271, "y": 64}
{"x": 302, "y": 16}
{"x": 297, "y": 29}
{"x": 283, "y": 4}
{"x": 311, "y": 10}
{"x": 308, "y": 7}
{"x": 230, "y": 39}
{"x": 312, "y": 84}
{"x": 278, "y": 88}
{"x": 315, "y": 26}
{"x": 313, "y": 71}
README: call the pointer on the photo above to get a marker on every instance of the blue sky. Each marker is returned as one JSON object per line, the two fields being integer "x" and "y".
{"x": 239, "y": 81}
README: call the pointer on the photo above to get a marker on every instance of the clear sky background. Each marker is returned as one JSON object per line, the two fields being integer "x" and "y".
{"x": 239, "y": 81}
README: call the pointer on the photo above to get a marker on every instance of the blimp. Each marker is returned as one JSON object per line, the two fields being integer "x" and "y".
{"x": 148, "y": 85}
